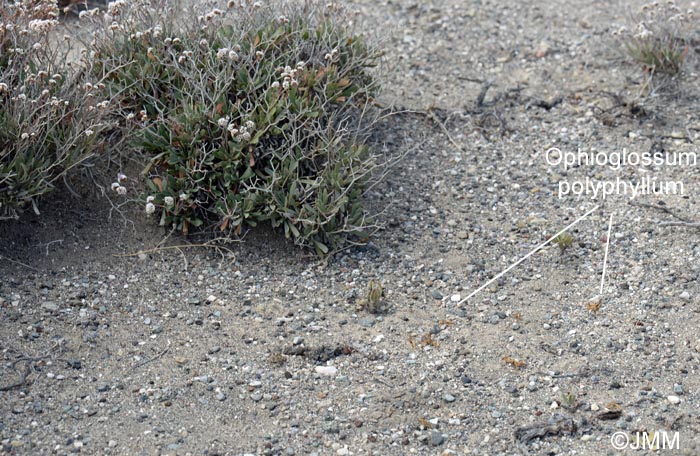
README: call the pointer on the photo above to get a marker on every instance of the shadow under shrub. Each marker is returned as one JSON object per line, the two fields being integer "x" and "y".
{"x": 251, "y": 113}
{"x": 49, "y": 121}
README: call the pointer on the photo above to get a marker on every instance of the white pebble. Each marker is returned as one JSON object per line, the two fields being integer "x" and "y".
{"x": 674, "y": 399}
{"x": 455, "y": 298}
{"x": 326, "y": 370}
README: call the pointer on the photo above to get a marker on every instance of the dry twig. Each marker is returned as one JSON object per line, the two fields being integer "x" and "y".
{"x": 683, "y": 221}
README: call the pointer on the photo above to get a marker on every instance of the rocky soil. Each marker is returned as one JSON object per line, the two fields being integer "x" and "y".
{"x": 259, "y": 348}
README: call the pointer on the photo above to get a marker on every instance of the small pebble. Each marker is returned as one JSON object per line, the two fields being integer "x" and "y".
{"x": 436, "y": 438}
{"x": 326, "y": 370}
{"x": 674, "y": 399}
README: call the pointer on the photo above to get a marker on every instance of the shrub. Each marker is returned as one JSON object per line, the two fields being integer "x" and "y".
{"x": 51, "y": 119}
{"x": 658, "y": 42}
{"x": 251, "y": 113}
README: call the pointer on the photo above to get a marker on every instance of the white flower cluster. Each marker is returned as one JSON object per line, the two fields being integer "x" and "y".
{"x": 621, "y": 31}
{"x": 656, "y": 21}
{"x": 642, "y": 31}
{"x": 117, "y": 186}
{"x": 168, "y": 202}
{"x": 42, "y": 25}
{"x": 243, "y": 3}
{"x": 88, "y": 13}
{"x": 116, "y": 8}
{"x": 228, "y": 54}
{"x": 89, "y": 87}
{"x": 242, "y": 133}
{"x": 101, "y": 105}
{"x": 210, "y": 16}
{"x": 56, "y": 102}
{"x": 155, "y": 32}
{"x": 184, "y": 57}
{"x": 332, "y": 56}
{"x": 289, "y": 75}
{"x": 114, "y": 26}
{"x": 150, "y": 207}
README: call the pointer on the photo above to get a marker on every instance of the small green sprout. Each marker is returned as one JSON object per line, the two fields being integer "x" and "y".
{"x": 568, "y": 400}
{"x": 373, "y": 300}
{"x": 564, "y": 241}
{"x": 374, "y": 292}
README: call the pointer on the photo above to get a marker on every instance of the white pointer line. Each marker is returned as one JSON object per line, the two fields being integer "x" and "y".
{"x": 605, "y": 260}
{"x": 536, "y": 249}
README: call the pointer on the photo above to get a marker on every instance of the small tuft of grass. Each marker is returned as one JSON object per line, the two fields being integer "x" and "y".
{"x": 568, "y": 400}
{"x": 658, "y": 40}
{"x": 564, "y": 241}
{"x": 373, "y": 301}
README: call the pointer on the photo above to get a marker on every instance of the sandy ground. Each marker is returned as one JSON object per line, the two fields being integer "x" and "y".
{"x": 260, "y": 348}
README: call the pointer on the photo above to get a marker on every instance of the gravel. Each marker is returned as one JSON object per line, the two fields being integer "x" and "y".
{"x": 269, "y": 351}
